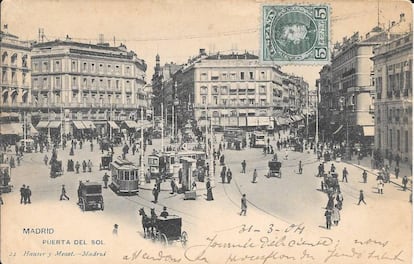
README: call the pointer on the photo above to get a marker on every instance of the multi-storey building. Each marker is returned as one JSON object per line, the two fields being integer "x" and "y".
{"x": 88, "y": 82}
{"x": 393, "y": 105}
{"x": 233, "y": 90}
{"x": 15, "y": 82}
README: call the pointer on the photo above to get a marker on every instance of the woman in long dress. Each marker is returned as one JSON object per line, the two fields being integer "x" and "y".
{"x": 209, "y": 191}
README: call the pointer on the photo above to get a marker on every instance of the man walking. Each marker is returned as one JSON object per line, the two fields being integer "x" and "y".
{"x": 243, "y": 166}
{"x": 155, "y": 193}
{"x": 243, "y": 205}
{"x": 28, "y": 194}
{"x": 361, "y": 197}
{"x": 397, "y": 171}
{"x": 345, "y": 175}
{"x": 105, "y": 179}
{"x": 23, "y": 194}
{"x": 63, "y": 194}
{"x": 364, "y": 176}
{"x": 254, "y": 176}
{"x": 300, "y": 167}
{"x": 328, "y": 217}
{"x": 229, "y": 175}
{"x": 404, "y": 182}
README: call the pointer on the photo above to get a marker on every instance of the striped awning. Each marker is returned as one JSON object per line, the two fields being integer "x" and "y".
{"x": 131, "y": 124}
{"x": 89, "y": 124}
{"x": 11, "y": 129}
{"x": 54, "y": 124}
{"x": 79, "y": 125}
{"x": 113, "y": 125}
{"x": 42, "y": 124}
{"x": 339, "y": 129}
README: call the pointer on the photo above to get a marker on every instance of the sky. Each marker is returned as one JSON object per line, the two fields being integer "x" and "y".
{"x": 177, "y": 29}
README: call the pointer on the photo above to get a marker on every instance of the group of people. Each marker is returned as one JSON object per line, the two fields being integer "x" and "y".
{"x": 25, "y": 194}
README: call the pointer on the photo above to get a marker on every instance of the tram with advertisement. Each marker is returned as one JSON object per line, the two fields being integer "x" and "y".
{"x": 259, "y": 139}
{"x": 125, "y": 177}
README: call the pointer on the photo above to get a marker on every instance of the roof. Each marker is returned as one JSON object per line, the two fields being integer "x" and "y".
{"x": 90, "y": 183}
{"x": 233, "y": 56}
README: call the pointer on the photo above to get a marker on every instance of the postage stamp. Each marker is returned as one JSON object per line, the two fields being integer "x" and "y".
{"x": 295, "y": 34}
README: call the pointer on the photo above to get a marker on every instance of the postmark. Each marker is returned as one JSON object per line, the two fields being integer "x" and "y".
{"x": 296, "y": 34}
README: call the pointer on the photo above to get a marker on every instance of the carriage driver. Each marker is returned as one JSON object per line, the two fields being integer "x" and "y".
{"x": 164, "y": 212}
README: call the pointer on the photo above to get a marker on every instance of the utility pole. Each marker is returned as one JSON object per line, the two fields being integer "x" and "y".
{"x": 162, "y": 126}
{"x": 141, "y": 172}
{"x": 317, "y": 114}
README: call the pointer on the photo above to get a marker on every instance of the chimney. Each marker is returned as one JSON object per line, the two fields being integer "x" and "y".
{"x": 402, "y": 17}
{"x": 392, "y": 23}
{"x": 202, "y": 51}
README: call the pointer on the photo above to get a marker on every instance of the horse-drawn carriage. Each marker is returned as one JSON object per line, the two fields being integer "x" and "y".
{"x": 274, "y": 169}
{"x": 331, "y": 182}
{"x": 90, "y": 196}
{"x": 56, "y": 168}
{"x": 164, "y": 229}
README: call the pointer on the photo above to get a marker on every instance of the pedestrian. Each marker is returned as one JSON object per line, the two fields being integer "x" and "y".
{"x": 322, "y": 186}
{"x": 300, "y": 167}
{"x": 209, "y": 191}
{"x": 229, "y": 175}
{"x": 336, "y": 216}
{"x": 84, "y": 165}
{"x": 91, "y": 146}
{"x": 105, "y": 179}
{"x": 333, "y": 168}
{"x": 223, "y": 174}
{"x": 173, "y": 186}
{"x": 364, "y": 176}
{"x": 380, "y": 185}
{"x": 345, "y": 175}
{"x": 77, "y": 166}
{"x": 254, "y": 176}
{"x": 361, "y": 197}
{"x": 243, "y": 164}
{"x": 23, "y": 194}
{"x": 243, "y": 205}
{"x": 28, "y": 194}
{"x": 80, "y": 144}
{"x": 397, "y": 171}
{"x": 164, "y": 212}
{"x": 115, "y": 230}
{"x": 158, "y": 184}
{"x": 404, "y": 182}
{"x": 328, "y": 217}
{"x": 89, "y": 166}
{"x": 286, "y": 154}
{"x": 155, "y": 193}
{"x": 63, "y": 193}
{"x": 1, "y": 199}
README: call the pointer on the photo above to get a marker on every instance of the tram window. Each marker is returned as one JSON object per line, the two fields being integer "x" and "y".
{"x": 127, "y": 175}
{"x": 121, "y": 176}
{"x": 172, "y": 160}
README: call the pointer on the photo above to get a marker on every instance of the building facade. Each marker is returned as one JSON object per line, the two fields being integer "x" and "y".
{"x": 393, "y": 105}
{"x": 235, "y": 90}
{"x": 89, "y": 82}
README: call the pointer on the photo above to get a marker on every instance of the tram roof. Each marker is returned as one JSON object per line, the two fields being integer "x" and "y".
{"x": 123, "y": 164}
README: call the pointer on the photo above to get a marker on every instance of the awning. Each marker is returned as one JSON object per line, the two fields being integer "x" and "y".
{"x": 79, "y": 125}
{"x": 339, "y": 129}
{"x": 33, "y": 131}
{"x": 368, "y": 131}
{"x": 130, "y": 124}
{"x": 11, "y": 114}
{"x": 89, "y": 124}
{"x": 54, "y": 124}
{"x": 11, "y": 129}
{"x": 42, "y": 124}
{"x": 113, "y": 125}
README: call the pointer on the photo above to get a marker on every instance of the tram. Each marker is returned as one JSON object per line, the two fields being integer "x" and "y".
{"x": 125, "y": 178}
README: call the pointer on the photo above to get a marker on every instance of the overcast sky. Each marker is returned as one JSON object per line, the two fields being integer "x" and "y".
{"x": 177, "y": 29}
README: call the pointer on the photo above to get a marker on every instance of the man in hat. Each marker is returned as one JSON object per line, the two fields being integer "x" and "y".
{"x": 23, "y": 194}
{"x": 155, "y": 193}
{"x": 28, "y": 194}
{"x": 115, "y": 230}
{"x": 243, "y": 205}
{"x": 105, "y": 179}
{"x": 164, "y": 212}
{"x": 63, "y": 194}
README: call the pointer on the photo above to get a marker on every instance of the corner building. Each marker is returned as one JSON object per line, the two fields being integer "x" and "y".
{"x": 91, "y": 83}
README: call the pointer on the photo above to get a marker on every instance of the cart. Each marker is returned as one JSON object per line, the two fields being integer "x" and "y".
{"x": 168, "y": 229}
{"x": 90, "y": 196}
{"x": 274, "y": 169}
{"x": 105, "y": 162}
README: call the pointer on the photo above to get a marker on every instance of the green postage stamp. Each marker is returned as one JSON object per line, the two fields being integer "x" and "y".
{"x": 295, "y": 34}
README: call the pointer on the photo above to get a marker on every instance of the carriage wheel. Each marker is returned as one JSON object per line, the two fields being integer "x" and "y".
{"x": 82, "y": 204}
{"x": 163, "y": 239}
{"x": 102, "y": 205}
{"x": 184, "y": 238}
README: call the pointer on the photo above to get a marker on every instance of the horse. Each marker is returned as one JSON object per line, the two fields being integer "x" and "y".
{"x": 146, "y": 222}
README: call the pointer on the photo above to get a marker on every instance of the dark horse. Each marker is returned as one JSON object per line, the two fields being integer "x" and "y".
{"x": 147, "y": 224}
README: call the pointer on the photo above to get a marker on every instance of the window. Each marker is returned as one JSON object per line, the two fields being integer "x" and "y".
{"x": 127, "y": 70}
{"x": 242, "y": 76}
{"x": 215, "y": 100}
{"x": 45, "y": 66}
{"x": 262, "y": 75}
{"x": 57, "y": 66}
{"x": 74, "y": 82}
{"x": 117, "y": 69}
{"x": 74, "y": 66}
{"x": 262, "y": 89}
{"x": 109, "y": 68}
{"x": 224, "y": 90}
{"x": 203, "y": 99}
{"x": 224, "y": 76}
{"x": 35, "y": 67}
{"x": 85, "y": 66}
{"x": 233, "y": 76}
{"x": 101, "y": 68}
{"x": 203, "y": 90}
{"x": 93, "y": 68}
{"x": 251, "y": 75}
{"x": 251, "y": 101}
{"x": 117, "y": 84}
{"x": 224, "y": 101}
{"x": 398, "y": 140}
{"x": 45, "y": 83}
{"x": 215, "y": 90}
{"x": 203, "y": 76}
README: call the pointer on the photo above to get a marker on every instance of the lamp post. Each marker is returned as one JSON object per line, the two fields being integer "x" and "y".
{"x": 141, "y": 172}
